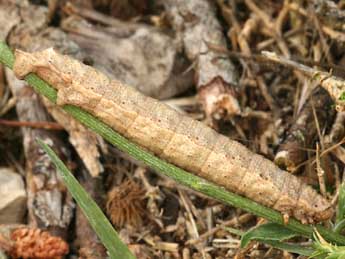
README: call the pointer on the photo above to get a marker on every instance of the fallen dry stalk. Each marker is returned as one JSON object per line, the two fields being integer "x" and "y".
{"x": 48, "y": 125}
{"x": 333, "y": 85}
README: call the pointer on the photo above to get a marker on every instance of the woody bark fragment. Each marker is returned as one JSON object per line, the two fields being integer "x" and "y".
{"x": 197, "y": 28}
{"x": 43, "y": 177}
{"x": 292, "y": 152}
{"x": 33, "y": 33}
{"x": 49, "y": 204}
{"x": 187, "y": 143}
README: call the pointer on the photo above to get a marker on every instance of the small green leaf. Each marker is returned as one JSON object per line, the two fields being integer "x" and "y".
{"x": 326, "y": 250}
{"x": 342, "y": 96}
{"x": 291, "y": 248}
{"x": 341, "y": 204}
{"x": 340, "y": 219}
{"x": 267, "y": 232}
{"x": 95, "y": 216}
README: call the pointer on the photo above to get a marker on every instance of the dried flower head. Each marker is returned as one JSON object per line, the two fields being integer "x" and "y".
{"x": 36, "y": 244}
{"x": 125, "y": 204}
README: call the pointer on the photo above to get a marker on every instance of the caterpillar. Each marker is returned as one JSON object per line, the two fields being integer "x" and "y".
{"x": 176, "y": 138}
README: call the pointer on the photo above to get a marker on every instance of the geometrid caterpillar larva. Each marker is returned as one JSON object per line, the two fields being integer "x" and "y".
{"x": 178, "y": 139}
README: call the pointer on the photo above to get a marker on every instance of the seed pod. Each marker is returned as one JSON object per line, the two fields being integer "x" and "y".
{"x": 178, "y": 139}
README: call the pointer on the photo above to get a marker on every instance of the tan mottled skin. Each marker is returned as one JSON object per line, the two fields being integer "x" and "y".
{"x": 178, "y": 139}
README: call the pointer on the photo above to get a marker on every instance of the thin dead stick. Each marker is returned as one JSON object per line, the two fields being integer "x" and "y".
{"x": 234, "y": 221}
{"x": 272, "y": 28}
{"x": 320, "y": 172}
{"x": 323, "y": 153}
{"x": 317, "y": 125}
{"x": 93, "y": 15}
{"x": 32, "y": 124}
{"x": 333, "y": 85}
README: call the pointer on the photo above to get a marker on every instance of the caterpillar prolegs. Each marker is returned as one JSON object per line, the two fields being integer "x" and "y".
{"x": 185, "y": 142}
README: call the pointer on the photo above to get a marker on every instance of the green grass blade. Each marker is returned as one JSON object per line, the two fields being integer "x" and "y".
{"x": 291, "y": 248}
{"x": 267, "y": 232}
{"x": 105, "y": 231}
{"x": 6, "y": 55}
{"x": 341, "y": 204}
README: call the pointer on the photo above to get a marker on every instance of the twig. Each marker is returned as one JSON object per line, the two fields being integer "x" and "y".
{"x": 234, "y": 221}
{"x": 163, "y": 167}
{"x": 32, "y": 124}
{"x": 320, "y": 172}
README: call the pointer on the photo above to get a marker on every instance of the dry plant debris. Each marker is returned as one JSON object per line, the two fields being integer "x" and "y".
{"x": 125, "y": 204}
{"x": 197, "y": 28}
{"x": 34, "y": 243}
{"x": 31, "y": 243}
